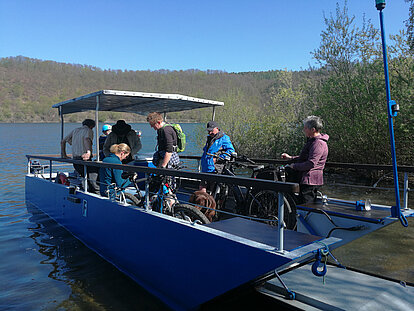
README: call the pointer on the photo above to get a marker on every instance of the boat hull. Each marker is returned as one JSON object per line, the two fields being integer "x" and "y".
{"x": 183, "y": 264}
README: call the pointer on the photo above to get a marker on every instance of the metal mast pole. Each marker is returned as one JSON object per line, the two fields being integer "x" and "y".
{"x": 393, "y": 109}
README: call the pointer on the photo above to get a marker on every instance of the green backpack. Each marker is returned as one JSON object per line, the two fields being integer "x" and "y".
{"x": 180, "y": 136}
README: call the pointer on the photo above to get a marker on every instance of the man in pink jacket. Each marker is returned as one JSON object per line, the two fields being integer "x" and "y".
{"x": 307, "y": 168}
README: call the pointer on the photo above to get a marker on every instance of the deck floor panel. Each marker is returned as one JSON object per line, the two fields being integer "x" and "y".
{"x": 346, "y": 210}
{"x": 263, "y": 233}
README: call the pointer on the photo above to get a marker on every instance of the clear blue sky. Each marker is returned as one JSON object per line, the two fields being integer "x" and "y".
{"x": 229, "y": 35}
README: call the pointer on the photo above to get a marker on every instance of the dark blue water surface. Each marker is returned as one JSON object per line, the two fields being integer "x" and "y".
{"x": 43, "y": 267}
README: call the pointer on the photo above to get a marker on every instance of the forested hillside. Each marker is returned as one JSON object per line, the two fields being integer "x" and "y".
{"x": 29, "y": 87}
{"x": 263, "y": 111}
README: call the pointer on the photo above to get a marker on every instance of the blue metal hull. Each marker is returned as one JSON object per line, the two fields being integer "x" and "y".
{"x": 184, "y": 265}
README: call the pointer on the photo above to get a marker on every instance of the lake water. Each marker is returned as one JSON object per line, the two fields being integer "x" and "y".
{"x": 42, "y": 267}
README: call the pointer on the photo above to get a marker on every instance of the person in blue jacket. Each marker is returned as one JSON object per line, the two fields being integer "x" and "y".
{"x": 109, "y": 176}
{"x": 216, "y": 141}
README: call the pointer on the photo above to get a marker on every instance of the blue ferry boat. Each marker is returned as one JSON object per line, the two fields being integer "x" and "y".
{"x": 168, "y": 256}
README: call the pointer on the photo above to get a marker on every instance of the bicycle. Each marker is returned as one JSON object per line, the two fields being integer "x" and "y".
{"x": 251, "y": 202}
{"x": 163, "y": 198}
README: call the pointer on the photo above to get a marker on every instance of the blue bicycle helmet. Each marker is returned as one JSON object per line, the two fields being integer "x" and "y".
{"x": 106, "y": 127}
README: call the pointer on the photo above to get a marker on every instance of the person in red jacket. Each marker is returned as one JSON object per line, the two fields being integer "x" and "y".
{"x": 307, "y": 168}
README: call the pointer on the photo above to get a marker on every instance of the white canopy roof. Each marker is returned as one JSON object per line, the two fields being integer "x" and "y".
{"x": 134, "y": 102}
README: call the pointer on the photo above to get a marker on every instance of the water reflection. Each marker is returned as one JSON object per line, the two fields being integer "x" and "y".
{"x": 94, "y": 283}
{"x": 388, "y": 251}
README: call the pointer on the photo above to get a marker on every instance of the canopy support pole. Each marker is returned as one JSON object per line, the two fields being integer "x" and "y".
{"x": 214, "y": 114}
{"x": 96, "y": 128}
{"x": 61, "y": 123}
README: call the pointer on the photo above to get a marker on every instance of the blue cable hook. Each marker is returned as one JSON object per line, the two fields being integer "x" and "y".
{"x": 403, "y": 220}
{"x": 318, "y": 263}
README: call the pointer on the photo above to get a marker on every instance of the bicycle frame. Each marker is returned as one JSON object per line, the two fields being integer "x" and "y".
{"x": 239, "y": 195}
{"x": 164, "y": 194}
{"x": 242, "y": 196}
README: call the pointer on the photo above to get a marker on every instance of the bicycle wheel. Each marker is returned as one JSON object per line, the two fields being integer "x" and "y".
{"x": 220, "y": 194}
{"x": 189, "y": 213}
{"x": 265, "y": 205}
{"x": 132, "y": 199}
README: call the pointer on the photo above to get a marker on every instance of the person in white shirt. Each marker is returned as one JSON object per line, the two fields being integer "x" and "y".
{"x": 81, "y": 140}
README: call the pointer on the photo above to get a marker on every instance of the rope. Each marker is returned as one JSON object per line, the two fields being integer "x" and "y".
{"x": 355, "y": 228}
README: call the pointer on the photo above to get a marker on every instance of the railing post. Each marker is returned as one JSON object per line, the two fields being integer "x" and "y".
{"x": 199, "y": 165}
{"x": 85, "y": 180}
{"x": 50, "y": 170}
{"x": 28, "y": 165}
{"x": 281, "y": 210}
{"x": 406, "y": 189}
{"x": 147, "y": 201}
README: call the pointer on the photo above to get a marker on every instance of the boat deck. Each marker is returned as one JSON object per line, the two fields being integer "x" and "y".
{"x": 262, "y": 233}
{"x": 347, "y": 211}
{"x": 342, "y": 290}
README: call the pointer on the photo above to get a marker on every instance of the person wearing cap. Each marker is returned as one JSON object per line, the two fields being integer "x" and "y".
{"x": 123, "y": 133}
{"x": 217, "y": 141}
{"x": 106, "y": 130}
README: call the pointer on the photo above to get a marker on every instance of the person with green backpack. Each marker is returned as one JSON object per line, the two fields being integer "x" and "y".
{"x": 170, "y": 141}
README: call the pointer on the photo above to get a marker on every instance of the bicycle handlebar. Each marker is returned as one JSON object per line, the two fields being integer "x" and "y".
{"x": 232, "y": 156}
{"x": 238, "y": 160}
{"x": 127, "y": 175}
{"x": 244, "y": 158}
{"x": 218, "y": 154}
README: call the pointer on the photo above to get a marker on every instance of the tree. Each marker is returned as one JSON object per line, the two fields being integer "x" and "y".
{"x": 401, "y": 67}
{"x": 352, "y": 99}
{"x": 410, "y": 25}
{"x": 344, "y": 44}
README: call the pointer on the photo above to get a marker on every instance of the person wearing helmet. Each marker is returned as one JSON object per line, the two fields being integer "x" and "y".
{"x": 106, "y": 130}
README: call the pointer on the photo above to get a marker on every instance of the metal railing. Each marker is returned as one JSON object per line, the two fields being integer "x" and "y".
{"x": 276, "y": 186}
{"x": 369, "y": 167}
